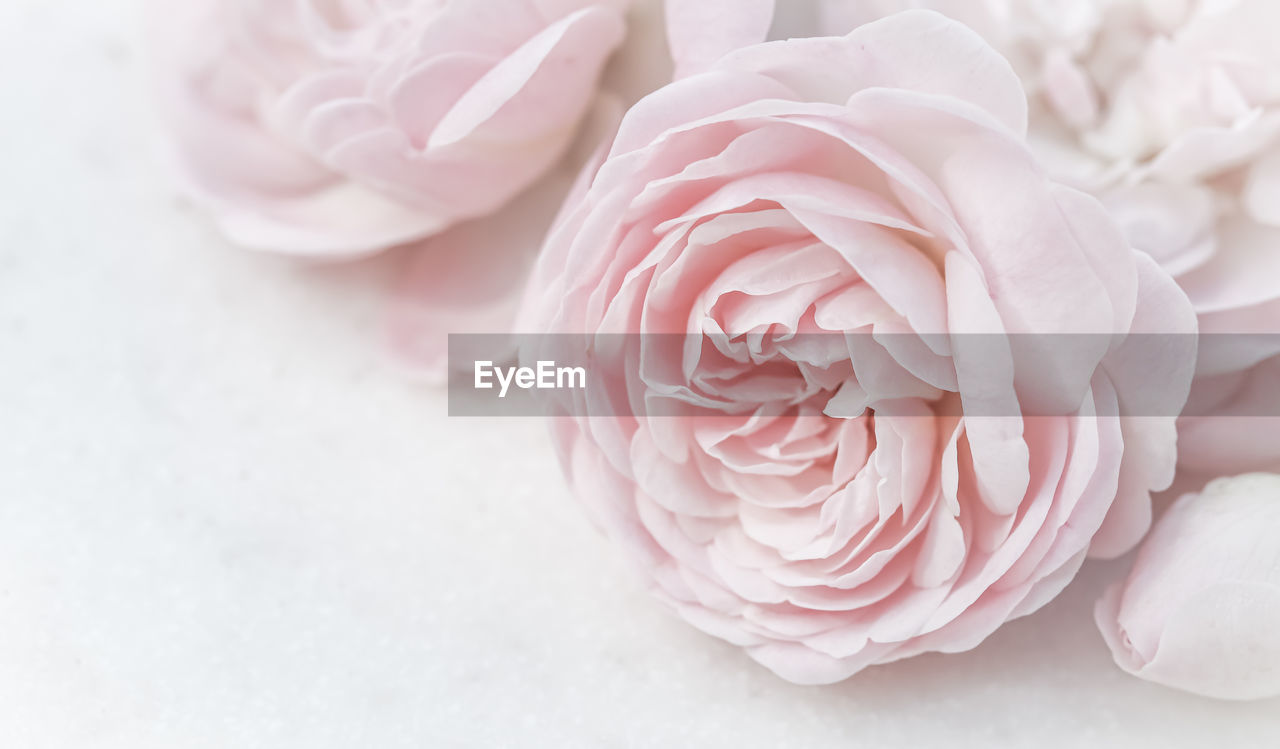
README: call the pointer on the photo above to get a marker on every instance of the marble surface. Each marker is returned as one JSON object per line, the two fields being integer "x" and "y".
{"x": 225, "y": 521}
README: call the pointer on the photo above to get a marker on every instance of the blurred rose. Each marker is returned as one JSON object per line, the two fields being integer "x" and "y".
{"x": 452, "y": 128}
{"x": 1201, "y": 609}
{"x": 834, "y": 501}
{"x": 343, "y": 127}
{"x": 1169, "y": 111}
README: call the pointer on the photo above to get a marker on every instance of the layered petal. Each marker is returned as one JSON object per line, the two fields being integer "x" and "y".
{"x": 865, "y": 385}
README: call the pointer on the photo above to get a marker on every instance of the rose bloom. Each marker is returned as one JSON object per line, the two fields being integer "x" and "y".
{"x": 334, "y": 129}
{"x": 1201, "y": 608}
{"x": 343, "y": 127}
{"x": 806, "y": 451}
{"x": 1168, "y": 111}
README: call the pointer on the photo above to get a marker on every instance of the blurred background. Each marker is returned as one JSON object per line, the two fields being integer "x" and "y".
{"x": 227, "y": 521}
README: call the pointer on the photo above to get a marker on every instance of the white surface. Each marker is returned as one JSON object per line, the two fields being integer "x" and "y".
{"x": 225, "y": 523}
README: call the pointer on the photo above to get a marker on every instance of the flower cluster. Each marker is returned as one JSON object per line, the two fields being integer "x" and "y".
{"x": 900, "y": 321}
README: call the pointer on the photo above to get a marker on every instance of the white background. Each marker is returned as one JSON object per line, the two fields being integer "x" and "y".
{"x": 226, "y": 522}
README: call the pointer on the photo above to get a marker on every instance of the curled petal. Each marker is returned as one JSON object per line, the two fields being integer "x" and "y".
{"x": 1200, "y": 609}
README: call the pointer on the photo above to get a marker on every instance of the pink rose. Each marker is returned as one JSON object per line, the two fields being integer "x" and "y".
{"x": 850, "y": 278}
{"x": 343, "y": 127}
{"x": 1200, "y": 610}
{"x": 1169, "y": 112}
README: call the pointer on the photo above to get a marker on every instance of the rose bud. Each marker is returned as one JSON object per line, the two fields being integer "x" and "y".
{"x": 1200, "y": 610}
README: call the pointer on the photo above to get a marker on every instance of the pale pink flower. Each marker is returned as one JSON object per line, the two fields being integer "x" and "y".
{"x": 343, "y": 127}
{"x": 334, "y": 129}
{"x": 834, "y": 501}
{"x": 1200, "y": 610}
